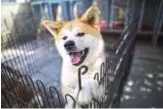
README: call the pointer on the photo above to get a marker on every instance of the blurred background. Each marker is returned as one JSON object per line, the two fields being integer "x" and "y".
{"x": 28, "y": 48}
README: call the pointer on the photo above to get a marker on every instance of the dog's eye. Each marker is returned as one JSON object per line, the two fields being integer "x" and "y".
{"x": 80, "y": 34}
{"x": 64, "y": 38}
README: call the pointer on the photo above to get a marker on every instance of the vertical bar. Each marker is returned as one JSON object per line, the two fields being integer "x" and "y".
{"x": 158, "y": 24}
{"x": 109, "y": 11}
{"x": 11, "y": 82}
{"x": 12, "y": 44}
{"x": 50, "y": 11}
{"x": 133, "y": 11}
{"x": 52, "y": 95}
{"x": 68, "y": 4}
{"x": 138, "y": 14}
{"x": 157, "y": 31}
{"x": 22, "y": 62}
{"x": 156, "y": 19}
{"x": 141, "y": 14}
{"x": 6, "y": 98}
{"x": 79, "y": 79}
{"x": 71, "y": 8}
{"x": 127, "y": 13}
{"x": 64, "y": 12}
{"x": 33, "y": 89}
{"x": 41, "y": 9}
{"x": 112, "y": 14}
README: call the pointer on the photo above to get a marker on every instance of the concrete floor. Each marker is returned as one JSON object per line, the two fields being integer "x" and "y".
{"x": 144, "y": 87}
{"x": 38, "y": 58}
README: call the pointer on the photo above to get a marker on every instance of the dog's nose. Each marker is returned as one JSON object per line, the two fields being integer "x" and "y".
{"x": 69, "y": 45}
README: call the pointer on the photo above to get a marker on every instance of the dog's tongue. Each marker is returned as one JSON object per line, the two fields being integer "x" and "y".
{"x": 75, "y": 57}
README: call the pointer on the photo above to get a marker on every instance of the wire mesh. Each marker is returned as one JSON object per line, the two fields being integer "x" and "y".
{"x": 21, "y": 60}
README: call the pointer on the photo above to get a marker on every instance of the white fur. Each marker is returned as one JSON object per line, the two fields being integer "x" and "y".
{"x": 95, "y": 57}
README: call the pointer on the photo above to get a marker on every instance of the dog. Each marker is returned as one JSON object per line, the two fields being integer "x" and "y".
{"x": 79, "y": 42}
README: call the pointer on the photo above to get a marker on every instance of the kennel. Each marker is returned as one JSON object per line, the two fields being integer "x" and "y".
{"x": 29, "y": 65}
{"x": 39, "y": 95}
{"x": 67, "y": 7}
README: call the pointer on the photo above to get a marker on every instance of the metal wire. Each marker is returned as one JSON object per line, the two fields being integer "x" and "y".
{"x": 17, "y": 71}
{"x": 39, "y": 89}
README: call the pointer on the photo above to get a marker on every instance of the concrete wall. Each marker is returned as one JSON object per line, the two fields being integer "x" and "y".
{"x": 17, "y": 21}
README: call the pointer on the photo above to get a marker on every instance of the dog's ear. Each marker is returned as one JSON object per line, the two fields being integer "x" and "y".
{"x": 91, "y": 16}
{"x": 53, "y": 27}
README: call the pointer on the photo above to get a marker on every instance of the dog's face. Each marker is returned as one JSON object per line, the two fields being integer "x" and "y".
{"x": 78, "y": 41}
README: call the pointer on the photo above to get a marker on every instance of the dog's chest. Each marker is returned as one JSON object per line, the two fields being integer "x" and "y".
{"x": 71, "y": 78}
{"x": 70, "y": 74}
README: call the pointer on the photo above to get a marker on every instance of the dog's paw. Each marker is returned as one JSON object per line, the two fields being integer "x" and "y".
{"x": 69, "y": 105}
{"x": 90, "y": 90}
{"x": 87, "y": 93}
{"x": 72, "y": 105}
{"x": 84, "y": 97}
{"x": 100, "y": 93}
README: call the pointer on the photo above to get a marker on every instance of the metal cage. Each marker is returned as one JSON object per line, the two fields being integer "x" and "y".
{"x": 19, "y": 89}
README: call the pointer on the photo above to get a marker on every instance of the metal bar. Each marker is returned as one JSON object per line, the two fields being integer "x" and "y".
{"x": 112, "y": 13}
{"x": 8, "y": 102}
{"x": 125, "y": 36}
{"x": 53, "y": 88}
{"x": 109, "y": 11}
{"x": 71, "y": 8}
{"x": 12, "y": 82}
{"x": 125, "y": 50}
{"x": 133, "y": 11}
{"x": 24, "y": 47}
{"x": 141, "y": 14}
{"x": 50, "y": 11}
{"x": 115, "y": 64}
{"x": 158, "y": 23}
{"x": 42, "y": 9}
{"x": 41, "y": 86}
{"x": 31, "y": 83}
{"x": 127, "y": 13}
{"x": 67, "y": 95}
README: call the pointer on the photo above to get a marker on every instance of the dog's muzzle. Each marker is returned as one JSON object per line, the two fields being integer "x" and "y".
{"x": 76, "y": 56}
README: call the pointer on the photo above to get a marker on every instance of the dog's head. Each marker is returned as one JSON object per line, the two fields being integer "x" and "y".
{"x": 78, "y": 41}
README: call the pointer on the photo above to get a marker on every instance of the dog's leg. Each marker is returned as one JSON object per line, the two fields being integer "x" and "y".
{"x": 70, "y": 102}
{"x": 90, "y": 90}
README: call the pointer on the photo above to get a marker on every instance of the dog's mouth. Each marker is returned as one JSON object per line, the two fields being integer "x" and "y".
{"x": 78, "y": 57}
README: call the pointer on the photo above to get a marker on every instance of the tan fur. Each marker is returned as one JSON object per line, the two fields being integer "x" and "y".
{"x": 90, "y": 18}
{"x": 87, "y": 29}
{"x": 92, "y": 39}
